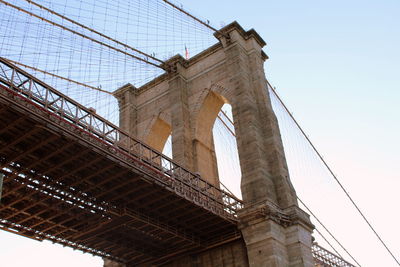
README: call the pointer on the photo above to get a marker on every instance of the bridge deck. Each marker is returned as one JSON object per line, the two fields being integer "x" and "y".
{"x": 74, "y": 186}
{"x": 73, "y": 178}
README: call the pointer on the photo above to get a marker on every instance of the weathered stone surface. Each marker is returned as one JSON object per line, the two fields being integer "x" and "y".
{"x": 185, "y": 102}
{"x": 229, "y": 255}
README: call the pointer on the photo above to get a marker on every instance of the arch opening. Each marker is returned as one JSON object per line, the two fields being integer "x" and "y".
{"x": 216, "y": 151}
{"x": 167, "y": 150}
{"x": 226, "y": 151}
{"x": 159, "y": 138}
{"x": 159, "y": 134}
{"x": 205, "y": 162}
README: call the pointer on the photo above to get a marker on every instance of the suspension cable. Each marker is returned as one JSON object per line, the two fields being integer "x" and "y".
{"x": 326, "y": 229}
{"x": 329, "y": 243}
{"x": 80, "y": 34}
{"x": 333, "y": 175}
{"x": 227, "y": 189}
{"x": 226, "y": 126}
{"x": 193, "y": 17}
{"x": 329, "y": 232}
{"x": 227, "y": 117}
{"x": 93, "y": 30}
{"x": 308, "y": 209}
{"x": 59, "y": 77}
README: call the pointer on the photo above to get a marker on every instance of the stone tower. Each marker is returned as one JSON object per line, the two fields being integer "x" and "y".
{"x": 184, "y": 103}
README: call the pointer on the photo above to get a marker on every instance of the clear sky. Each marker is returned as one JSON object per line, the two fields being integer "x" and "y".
{"x": 336, "y": 65}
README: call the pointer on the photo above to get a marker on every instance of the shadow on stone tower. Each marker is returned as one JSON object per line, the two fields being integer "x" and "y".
{"x": 185, "y": 102}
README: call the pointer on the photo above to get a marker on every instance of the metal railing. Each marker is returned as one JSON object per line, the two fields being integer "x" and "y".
{"x": 323, "y": 257}
{"x": 158, "y": 166}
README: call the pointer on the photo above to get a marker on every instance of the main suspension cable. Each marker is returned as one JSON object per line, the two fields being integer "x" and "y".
{"x": 80, "y": 34}
{"x": 329, "y": 232}
{"x": 308, "y": 209}
{"x": 93, "y": 30}
{"x": 59, "y": 77}
{"x": 226, "y": 126}
{"x": 333, "y": 175}
{"x": 193, "y": 17}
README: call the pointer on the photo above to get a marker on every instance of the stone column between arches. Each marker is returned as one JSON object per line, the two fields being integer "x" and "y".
{"x": 192, "y": 142}
{"x": 192, "y": 146}
{"x": 276, "y": 232}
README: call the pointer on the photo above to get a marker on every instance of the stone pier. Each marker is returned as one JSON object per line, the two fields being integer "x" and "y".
{"x": 184, "y": 103}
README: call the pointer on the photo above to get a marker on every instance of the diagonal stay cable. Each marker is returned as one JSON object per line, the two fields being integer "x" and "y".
{"x": 337, "y": 241}
{"x": 333, "y": 175}
{"x": 329, "y": 243}
{"x": 93, "y": 30}
{"x": 226, "y": 126}
{"x": 329, "y": 232}
{"x": 308, "y": 209}
{"x": 59, "y": 77}
{"x": 193, "y": 17}
{"x": 81, "y": 35}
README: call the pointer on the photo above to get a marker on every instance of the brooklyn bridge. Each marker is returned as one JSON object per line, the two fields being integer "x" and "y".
{"x": 107, "y": 141}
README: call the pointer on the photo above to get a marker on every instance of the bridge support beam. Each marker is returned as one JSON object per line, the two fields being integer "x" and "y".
{"x": 1, "y": 184}
{"x": 110, "y": 263}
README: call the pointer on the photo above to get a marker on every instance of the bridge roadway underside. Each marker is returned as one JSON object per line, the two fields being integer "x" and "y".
{"x": 59, "y": 187}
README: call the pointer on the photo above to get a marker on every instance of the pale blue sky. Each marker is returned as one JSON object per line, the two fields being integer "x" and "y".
{"x": 336, "y": 65}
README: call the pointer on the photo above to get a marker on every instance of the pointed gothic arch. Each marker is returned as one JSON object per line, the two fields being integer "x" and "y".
{"x": 189, "y": 94}
{"x": 158, "y": 134}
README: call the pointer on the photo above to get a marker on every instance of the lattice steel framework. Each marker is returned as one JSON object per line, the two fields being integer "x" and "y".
{"x": 324, "y": 258}
{"x": 168, "y": 172}
{"x": 74, "y": 178}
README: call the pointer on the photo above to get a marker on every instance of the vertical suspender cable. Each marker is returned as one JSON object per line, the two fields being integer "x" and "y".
{"x": 333, "y": 175}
